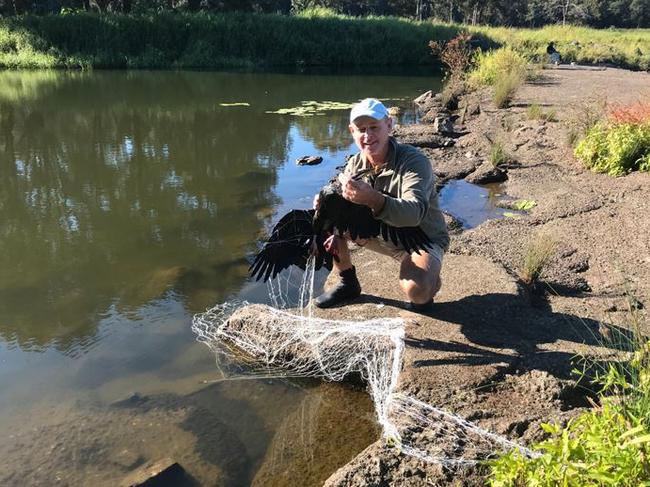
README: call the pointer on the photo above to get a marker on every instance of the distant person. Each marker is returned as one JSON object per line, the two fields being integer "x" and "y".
{"x": 402, "y": 194}
{"x": 553, "y": 54}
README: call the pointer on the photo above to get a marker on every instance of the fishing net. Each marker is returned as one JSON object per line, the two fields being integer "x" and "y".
{"x": 261, "y": 341}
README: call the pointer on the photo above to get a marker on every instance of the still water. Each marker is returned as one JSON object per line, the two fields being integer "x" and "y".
{"x": 129, "y": 202}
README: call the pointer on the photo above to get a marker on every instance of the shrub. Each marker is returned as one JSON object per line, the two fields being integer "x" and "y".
{"x": 616, "y": 149}
{"x": 491, "y": 66}
{"x": 637, "y": 113}
{"x": 456, "y": 54}
{"x": 505, "y": 88}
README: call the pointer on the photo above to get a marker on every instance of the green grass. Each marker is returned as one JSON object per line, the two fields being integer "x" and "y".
{"x": 184, "y": 40}
{"x": 499, "y": 155}
{"x": 628, "y": 48}
{"x": 315, "y": 37}
{"x": 505, "y": 88}
{"x": 537, "y": 255}
{"x": 535, "y": 112}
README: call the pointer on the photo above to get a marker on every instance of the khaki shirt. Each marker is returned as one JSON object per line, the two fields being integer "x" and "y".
{"x": 407, "y": 181}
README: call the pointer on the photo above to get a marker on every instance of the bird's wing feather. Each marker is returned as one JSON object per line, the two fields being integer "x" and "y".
{"x": 289, "y": 244}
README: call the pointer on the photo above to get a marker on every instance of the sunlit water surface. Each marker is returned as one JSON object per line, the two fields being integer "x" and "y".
{"x": 129, "y": 202}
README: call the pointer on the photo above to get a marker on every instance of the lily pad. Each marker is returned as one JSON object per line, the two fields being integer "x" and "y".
{"x": 311, "y": 108}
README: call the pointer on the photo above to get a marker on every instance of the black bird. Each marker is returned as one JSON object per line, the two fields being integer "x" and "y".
{"x": 301, "y": 233}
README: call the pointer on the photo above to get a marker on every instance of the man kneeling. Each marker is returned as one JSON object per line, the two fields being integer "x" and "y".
{"x": 402, "y": 194}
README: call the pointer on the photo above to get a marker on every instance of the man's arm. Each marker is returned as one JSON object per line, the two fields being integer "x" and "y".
{"x": 410, "y": 207}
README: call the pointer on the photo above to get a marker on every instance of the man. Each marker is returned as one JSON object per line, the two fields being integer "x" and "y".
{"x": 553, "y": 54}
{"x": 402, "y": 195}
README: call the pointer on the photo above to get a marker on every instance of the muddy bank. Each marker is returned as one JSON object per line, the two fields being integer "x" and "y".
{"x": 491, "y": 350}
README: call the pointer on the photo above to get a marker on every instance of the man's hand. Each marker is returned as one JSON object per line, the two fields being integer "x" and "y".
{"x": 362, "y": 193}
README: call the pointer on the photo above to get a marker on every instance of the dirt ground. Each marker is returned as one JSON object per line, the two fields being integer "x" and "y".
{"x": 492, "y": 350}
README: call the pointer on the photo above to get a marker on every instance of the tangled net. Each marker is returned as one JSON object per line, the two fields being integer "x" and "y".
{"x": 260, "y": 341}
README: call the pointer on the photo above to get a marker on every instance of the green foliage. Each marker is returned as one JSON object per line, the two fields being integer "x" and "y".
{"x": 606, "y": 446}
{"x": 209, "y": 40}
{"x": 616, "y": 149}
{"x": 491, "y": 66}
{"x": 599, "y": 448}
{"x": 628, "y": 48}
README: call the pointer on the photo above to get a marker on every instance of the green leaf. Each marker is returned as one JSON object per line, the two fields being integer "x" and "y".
{"x": 524, "y": 205}
{"x": 637, "y": 440}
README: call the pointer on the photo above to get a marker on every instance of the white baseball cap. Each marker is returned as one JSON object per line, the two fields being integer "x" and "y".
{"x": 368, "y": 107}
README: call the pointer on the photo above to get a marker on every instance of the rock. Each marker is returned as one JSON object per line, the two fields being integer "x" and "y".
{"x": 161, "y": 473}
{"x": 422, "y": 136}
{"x": 309, "y": 160}
{"x": 487, "y": 173}
{"x": 454, "y": 168}
{"x": 424, "y": 97}
{"x": 443, "y": 124}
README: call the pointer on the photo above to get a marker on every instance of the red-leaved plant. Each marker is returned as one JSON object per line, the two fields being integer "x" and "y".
{"x": 637, "y": 113}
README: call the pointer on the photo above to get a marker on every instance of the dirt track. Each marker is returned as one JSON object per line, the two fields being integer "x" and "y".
{"x": 490, "y": 350}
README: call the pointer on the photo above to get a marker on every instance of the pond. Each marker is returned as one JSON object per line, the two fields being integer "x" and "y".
{"x": 129, "y": 202}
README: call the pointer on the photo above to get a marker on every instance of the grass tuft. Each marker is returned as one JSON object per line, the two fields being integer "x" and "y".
{"x": 537, "y": 255}
{"x": 499, "y": 155}
{"x": 505, "y": 89}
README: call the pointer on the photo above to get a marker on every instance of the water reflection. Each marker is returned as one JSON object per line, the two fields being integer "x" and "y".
{"x": 118, "y": 186}
{"x": 114, "y": 200}
{"x": 128, "y": 202}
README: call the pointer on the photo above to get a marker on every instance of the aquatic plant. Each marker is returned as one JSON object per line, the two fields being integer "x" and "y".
{"x": 311, "y": 108}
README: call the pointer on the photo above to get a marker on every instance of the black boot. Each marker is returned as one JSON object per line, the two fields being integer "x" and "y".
{"x": 347, "y": 288}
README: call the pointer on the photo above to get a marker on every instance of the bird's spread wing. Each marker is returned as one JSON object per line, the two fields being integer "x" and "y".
{"x": 412, "y": 239}
{"x": 289, "y": 244}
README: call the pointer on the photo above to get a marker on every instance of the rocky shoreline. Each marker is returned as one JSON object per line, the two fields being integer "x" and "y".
{"x": 494, "y": 350}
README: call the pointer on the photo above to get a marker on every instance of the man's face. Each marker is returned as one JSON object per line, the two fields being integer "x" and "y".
{"x": 371, "y": 136}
